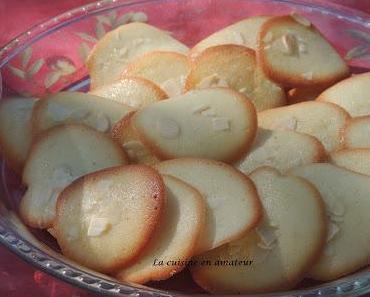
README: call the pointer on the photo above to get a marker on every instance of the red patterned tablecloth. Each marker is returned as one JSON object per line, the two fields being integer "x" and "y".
{"x": 18, "y": 279}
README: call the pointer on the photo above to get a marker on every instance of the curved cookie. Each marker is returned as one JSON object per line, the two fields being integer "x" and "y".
{"x": 346, "y": 195}
{"x": 166, "y": 69}
{"x": 175, "y": 238}
{"x": 77, "y": 108}
{"x": 282, "y": 150}
{"x": 125, "y": 134}
{"x": 216, "y": 123}
{"x": 356, "y": 131}
{"x": 357, "y": 160}
{"x": 106, "y": 219}
{"x": 56, "y": 158}
{"x": 352, "y": 94}
{"x": 15, "y": 130}
{"x": 293, "y": 52}
{"x": 325, "y": 121}
{"x": 232, "y": 204}
{"x": 121, "y": 46}
{"x": 244, "y": 32}
{"x": 281, "y": 249}
{"x": 136, "y": 92}
{"x": 234, "y": 66}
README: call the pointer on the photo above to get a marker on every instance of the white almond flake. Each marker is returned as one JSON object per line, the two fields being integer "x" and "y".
{"x": 308, "y": 75}
{"x": 79, "y": 114}
{"x": 220, "y": 124}
{"x": 200, "y": 108}
{"x": 168, "y": 128}
{"x": 102, "y": 123}
{"x": 135, "y": 149}
{"x": 213, "y": 80}
{"x": 266, "y": 234}
{"x": 242, "y": 90}
{"x": 97, "y": 227}
{"x": 301, "y": 20}
{"x": 208, "y": 113}
{"x": 58, "y": 112}
{"x": 289, "y": 44}
{"x": 288, "y": 124}
{"x": 61, "y": 175}
{"x": 333, "y": 230}
{"x": 268, "y": 37}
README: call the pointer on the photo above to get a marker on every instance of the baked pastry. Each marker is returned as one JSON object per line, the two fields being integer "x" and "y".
{"x": 283, "y": 150}
{"x": 325, "y": 121}
{"x": 276, "y": 254}
{"x": 107, "y": 218}
{"x": 175, "y": 238}
{"x": 121, "y": 46}
{"x": 215, "y": 123}
{"x": 56, "y": 158}
{"x": 15, "y": 130}
{"x": 244, "y": 32}
{"x": 346, "y": 195}
{"x": 352, "y": 94}
{"x": 356, "y": 131}
{"x": 235, "y": 66}
{"x": 136, "y": 92}
{"x": 293, "y": 52}
{"x": 77, "y": 108}
{"x": 166, "y": 69}
{"x": 126, "y": 135}
{"x": 357, "y": 159}
{"x": 232, "y": 204}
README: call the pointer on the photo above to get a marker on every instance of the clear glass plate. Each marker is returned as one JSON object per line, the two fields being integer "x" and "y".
{"x": 50, "y": 57}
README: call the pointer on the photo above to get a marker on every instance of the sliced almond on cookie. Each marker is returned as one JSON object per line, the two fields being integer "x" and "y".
{"x": 121, "y": 46}
{"x": 244, "y": 32}
{"x": 234, "y": 66}
{"x": 125, "y": 134}
{"x": 113, "y": 214}
{"x": 167, "y": 69}
{"x": 232, "y": 204}
{"x": 133, "y": 91}
{"x": 346, "y": 195}
{"x": 216, "y": 123}
{"x": 56, "y": 158}
{"x": 77, "y": 108}
{"x": 357, "y": 160}
{"x": 175, "y": 238}
{"x": 352, "y": 94}
{"x": 325, "y": 121}
{"x": 276, "y": 254}
{"x": 356, "y": 131}
{"x": 15, "y": 130}
{"x": 296, "y": 55}
{"x": 282, "y": 150}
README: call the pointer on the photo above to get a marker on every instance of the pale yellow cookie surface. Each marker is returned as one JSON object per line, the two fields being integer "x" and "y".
{"x": 15, "y": 130}
{"x": 175, "y": 237}
{"x": 357, "y": 160}
{"x": 119, "y": 47}
{"x": 167, "y": 69}
{"x": 56, "y": 158}
{"x": 235, "y": 66}
{"x": 105, "y": 219}
{"x": 215, "y": 123}
{"x": 325, "y": 121}
{"x": 294, "y": 53}
{"x": 228, "y": 194}
{"x": 282, "y": 150}
{"x": 355, "y": 133}
{"x": 136, "y": 92}
{"x": 346, "y": 196}
{"x": 282, "y": 247}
